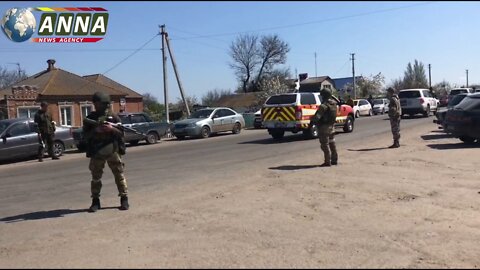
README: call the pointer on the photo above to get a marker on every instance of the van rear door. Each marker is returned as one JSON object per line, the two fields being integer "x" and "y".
{"x": 280, "y": 108}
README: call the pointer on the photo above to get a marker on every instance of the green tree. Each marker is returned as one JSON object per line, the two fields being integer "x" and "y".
{"x": 152, "y": 107}
{"x": 415, "y": 76}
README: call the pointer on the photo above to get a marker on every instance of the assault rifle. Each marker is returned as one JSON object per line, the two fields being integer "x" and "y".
{"x": 117, "y": 125}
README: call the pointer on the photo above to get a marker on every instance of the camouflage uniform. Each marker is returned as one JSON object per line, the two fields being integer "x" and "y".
{"x": 325, "y": 118}
{"x": 395, "y": 113}
{"x": 104, "y": 147}
{"x": 46, "y": 133}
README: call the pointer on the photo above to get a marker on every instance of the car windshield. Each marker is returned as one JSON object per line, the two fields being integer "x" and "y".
{"x": 458, "y": 91}
{"x": 378, "y": 101}
{"x": 281, "y": 99}
{"x": 3, "y": 126}
{"x": 409, "y": 94}
{"x": 455, "y": 100}
{"x": 201, "y": 114}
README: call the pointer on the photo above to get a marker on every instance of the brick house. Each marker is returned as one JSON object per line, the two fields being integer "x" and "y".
{"x": 69, "y": 96}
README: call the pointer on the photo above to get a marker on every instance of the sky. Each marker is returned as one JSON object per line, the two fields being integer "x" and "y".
{"x": 385, "y": 37}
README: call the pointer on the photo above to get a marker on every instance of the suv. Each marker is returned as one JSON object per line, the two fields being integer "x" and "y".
{"x": 293, "y": 111}
{"x": 415, "y": 101}
{"x": 152, "y": 131}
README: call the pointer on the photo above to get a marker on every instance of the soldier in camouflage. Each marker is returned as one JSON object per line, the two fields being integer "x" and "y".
{"x": 394, "y": 113}
{"x": 104, "y": 143}
{"x": 325, "y": 118}
{"x": 46, "y": 131}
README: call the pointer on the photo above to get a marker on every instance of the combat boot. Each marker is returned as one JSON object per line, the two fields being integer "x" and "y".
{"x": 95, "y": 205}
{"x": 396, "y": 144}
{"x": 325, "y": 164}
{"x": 124, "y": 203}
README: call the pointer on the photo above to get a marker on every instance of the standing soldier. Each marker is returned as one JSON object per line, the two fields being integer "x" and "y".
{"x": 104, "y": 145}
{"x": 325, "y": 118}
{"x": 395, "y": 113}
{"x": 46, "y": 131}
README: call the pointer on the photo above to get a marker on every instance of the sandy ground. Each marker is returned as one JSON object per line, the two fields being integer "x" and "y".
{"x": 412, "y": 207}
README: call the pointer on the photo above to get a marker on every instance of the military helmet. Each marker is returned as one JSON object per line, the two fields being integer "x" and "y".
{"x": 326, "y": 92}
{"x": 390, "y": 90}
{"x": 101, "y": 97}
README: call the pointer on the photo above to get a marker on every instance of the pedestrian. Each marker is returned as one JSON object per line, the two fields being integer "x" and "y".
{"x": 325, "y": 118}
{"x": 104, "y": 145}
{"x": 45, "y": 131}
{"x": 395, "y": 115}
{"x": 370, "y": 100}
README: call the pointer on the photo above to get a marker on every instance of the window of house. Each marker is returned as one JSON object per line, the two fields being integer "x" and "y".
{"x": 66, "y": 115}
{"x": 86, "y": 110}
{"x": 328, "y": 86}
{"x": 27, "y": 112}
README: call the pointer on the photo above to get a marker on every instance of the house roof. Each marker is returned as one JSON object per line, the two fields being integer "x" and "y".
{"x": 314, "y": 80}
{"x": 99, "y": 78}
{"x": 58, "y": 82}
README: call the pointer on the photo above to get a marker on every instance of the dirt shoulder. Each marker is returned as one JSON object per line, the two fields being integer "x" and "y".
{"x": 412, "y": 207}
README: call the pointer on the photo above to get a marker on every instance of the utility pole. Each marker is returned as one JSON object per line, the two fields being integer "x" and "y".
{"x": 429, "y": 76}
{"x": 316, "y": 64}
{"x": 353, "y": 72}
{"x": 467, "y": 77}
{"x": 165, "y": 86}
{"x": 176, "y": 74}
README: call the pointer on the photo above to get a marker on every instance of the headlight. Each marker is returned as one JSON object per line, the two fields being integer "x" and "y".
{"x": 192, "y": 125}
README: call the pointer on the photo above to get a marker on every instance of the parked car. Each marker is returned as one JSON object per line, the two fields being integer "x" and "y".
{"x": 205, "y": 122}
{"x": 362, "y": 107}
{"x": 152, "y": 131}
{"x": 441, "y": 112}
{"x": 463, "y": 121}
{"x": 414, "y": 101}
{"x": 257, "y": 120}
{"x": 380, "y": 105}
{"x": 19, "y": 139}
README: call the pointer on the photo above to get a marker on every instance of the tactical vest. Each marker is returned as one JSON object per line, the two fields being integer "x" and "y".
{"x": 329, "y": 116}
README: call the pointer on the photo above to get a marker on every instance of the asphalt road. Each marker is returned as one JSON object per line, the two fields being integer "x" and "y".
{"x": 29, "y": 186}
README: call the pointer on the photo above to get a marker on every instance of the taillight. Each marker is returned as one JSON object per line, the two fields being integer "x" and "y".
{"x": 298, "y": 113}
{"x": 422, "y": 101}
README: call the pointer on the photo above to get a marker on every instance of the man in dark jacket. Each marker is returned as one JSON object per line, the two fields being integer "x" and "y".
{"x": 46, "y": 131}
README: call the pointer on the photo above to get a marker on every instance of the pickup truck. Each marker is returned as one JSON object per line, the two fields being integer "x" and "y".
{"x": 151, "y": 131}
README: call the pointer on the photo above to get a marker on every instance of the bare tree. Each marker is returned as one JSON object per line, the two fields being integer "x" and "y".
{"x": 10, "y": 77}
{"x": 212, "y": 97}
{"x": 272, "y": 51}
{"x": 244, "y": 53}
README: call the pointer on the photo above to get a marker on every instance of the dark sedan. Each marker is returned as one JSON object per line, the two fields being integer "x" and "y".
{"x": 440, "y": 114}
{"x": 463, "y": 121}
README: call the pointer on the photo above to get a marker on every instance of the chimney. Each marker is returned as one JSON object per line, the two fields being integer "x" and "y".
{"x": 51, "y": 64}
{"x": 303, "y": 76}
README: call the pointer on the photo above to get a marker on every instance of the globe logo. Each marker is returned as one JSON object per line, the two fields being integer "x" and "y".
{"x": 18, "y": 24}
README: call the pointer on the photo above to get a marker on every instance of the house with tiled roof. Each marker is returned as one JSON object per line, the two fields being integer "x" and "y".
{"x": 69, "y": 95}
{"x": 314, "y": 84}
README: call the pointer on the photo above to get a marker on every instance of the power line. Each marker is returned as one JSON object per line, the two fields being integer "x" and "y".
{"x": 306, "y": 23}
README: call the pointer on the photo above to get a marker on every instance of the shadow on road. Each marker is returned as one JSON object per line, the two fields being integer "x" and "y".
{"x": 436, "y": 136}
{"x": 450, "y": 146}
{"x": 294, "y": 167}
{"x": 368, "y": 149}
{"x": 47, "y": 214}
{"x": 286, "y": 139}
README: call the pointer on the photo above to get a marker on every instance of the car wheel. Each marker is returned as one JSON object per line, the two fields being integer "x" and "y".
{"x": 277, "y": 135}
{"x": 312, "y": 132}
{"x": 58, "y": 148}
{"x": 152, "y": 138}
{"x": 357, "y": 114}
{"x": 427, "y": 112}
{"x": 348, "y": 127}
{"x": 205, "y": 132}
{"x": 135, "y": 142}
{"x": 237, "y": 128}
{"x": 467, "y": 139}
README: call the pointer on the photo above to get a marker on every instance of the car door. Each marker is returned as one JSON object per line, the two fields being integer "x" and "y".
{"x": 229, "y": 119}
{"x": 19, "y": 141}
{"x": 362, "y": 104}
{"x": 217, "y": 120}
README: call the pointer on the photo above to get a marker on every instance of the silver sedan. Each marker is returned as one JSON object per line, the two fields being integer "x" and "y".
{"x": 18, "y": 139}
{"x": 204, "y": 122}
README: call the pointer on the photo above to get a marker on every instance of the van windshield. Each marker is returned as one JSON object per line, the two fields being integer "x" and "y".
{"x": 281, "y": 99}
